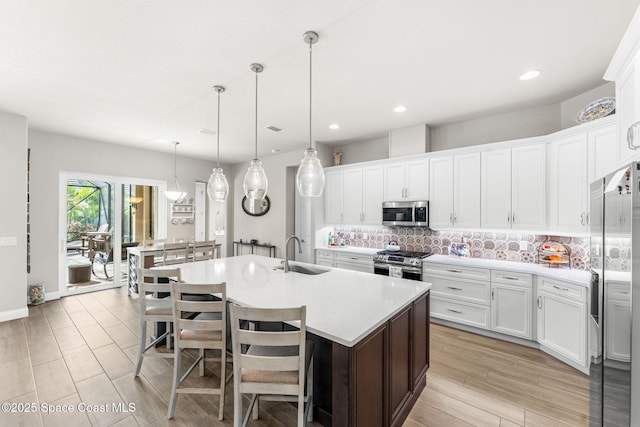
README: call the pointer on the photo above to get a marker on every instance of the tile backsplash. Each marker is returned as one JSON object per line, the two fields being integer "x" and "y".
{"x": 482, "y": 244}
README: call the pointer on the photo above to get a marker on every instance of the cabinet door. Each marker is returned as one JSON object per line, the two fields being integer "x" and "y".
{"x": 495, "y": 189}
{"x": 618, "y": 324}
{"x": 569, "y": 185}
{"x": 372, "y": 181}
{"x": 528, "y": 187}
{"x": 627, "y": 108}
{"x": 441, "y": 192}
{"x": 394, "y": 189}
{"x": 417, "y": 179}
{"x": 562, "y": 326}
{"x": 352, "y": 203}
{"x": 400, "y": 361}
{"x": 466, "y": 191}
{"x": 511, "y": 310}
{"x": 333, "y": 194}
{"x": 603, "y": 152}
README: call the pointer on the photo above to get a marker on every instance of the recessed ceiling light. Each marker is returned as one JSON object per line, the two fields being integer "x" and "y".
{"x": 334, "y": 126}
{"x": 530, "y": 75}
{"x": 400, "y": 109}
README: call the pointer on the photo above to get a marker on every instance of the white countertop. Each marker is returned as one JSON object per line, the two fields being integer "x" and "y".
{"x": 578, "y": 277}
{"x": 342, "y": 305}
{"x": 350, "y": 249}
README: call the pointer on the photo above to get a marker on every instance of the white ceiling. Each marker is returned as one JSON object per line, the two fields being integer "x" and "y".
{"x": 134, "y": 72}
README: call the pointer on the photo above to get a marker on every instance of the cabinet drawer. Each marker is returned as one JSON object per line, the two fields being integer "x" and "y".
{"x": 460, "y": 312}
{"x": 618, "y": 290}
{"x": 474, "y": 292}
{"x": 510, "y": 278}
{"x": 354, "y": 259}
{"x": 324, "y": 255}
{"x": 566, "y": 290}
{"x": 451, "y": 271}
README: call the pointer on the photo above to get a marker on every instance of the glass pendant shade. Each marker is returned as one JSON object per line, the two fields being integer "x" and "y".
{"x": 310, "y": 176}
{"x": 218, "y": 187}
{"x": 177, "y": 195}
{"x": 255, "y": 181}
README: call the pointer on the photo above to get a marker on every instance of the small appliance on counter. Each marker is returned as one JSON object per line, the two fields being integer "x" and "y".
{"x": 554, "y": 254}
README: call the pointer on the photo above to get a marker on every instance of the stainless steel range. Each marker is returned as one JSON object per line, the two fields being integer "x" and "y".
{"x": 403, "y": 264}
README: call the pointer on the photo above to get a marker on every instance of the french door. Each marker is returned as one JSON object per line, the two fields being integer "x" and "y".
{"x": 100, "y": 216}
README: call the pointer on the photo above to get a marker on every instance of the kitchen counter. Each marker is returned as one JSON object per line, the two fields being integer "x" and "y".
{"x": 578, "y": 277}
{"x": 371, "y": 332}
{"x": 342, "y": 306}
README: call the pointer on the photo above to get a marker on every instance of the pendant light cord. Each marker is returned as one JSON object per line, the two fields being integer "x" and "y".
{"x": 175, "y": 161}
{"x": 218, "y": 133}
{"x": 256, "y": 150}
{"x": 310, "y": 91}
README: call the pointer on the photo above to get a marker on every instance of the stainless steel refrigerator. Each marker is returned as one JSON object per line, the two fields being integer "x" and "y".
{"x": 615, "y": 291}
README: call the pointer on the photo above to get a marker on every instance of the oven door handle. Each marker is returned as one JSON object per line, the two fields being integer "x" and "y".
{"x": 412, "y": 269}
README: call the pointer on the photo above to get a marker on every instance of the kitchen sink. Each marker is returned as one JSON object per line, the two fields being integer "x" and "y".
{"x": 303, "y": 269}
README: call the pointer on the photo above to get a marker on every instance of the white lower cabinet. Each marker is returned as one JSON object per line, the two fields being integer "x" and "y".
{"x": 617, "y": 316}
{"x": 562, "y": 321}
{"x": 511, "y": 303}
{"x": 346, "y": 260}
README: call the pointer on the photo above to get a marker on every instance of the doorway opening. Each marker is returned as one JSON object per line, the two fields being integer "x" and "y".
{"x": 104, "y": 216}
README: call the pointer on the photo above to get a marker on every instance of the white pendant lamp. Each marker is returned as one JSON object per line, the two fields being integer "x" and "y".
{"x": 255, "y": 180}
{"x": 175, "y": 195}
{"x": 218, "y": 187}
{"x": 310, "y": 176}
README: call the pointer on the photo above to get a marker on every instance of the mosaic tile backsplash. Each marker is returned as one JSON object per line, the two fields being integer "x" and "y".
{"x": 617, "y": 256}
{"x": 488, "y": 245}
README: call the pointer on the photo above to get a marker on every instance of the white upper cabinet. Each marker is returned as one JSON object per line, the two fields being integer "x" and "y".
{"x": 454, "y": 188}
{"x": 333, "y": 197}
{"x": 353, "y": 196}
{"x": 569, "y": 184}
{"x": 372, "y": 181}
{"x": 513, "y": 188}
{"x": 604, "y": 152}
{"x": 406, "y": 180}
{"x": 627, "y": 108}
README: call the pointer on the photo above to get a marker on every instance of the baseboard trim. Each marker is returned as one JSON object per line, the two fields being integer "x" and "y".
{"x": 50, "y": 296}
{"x": 14, "y": 314}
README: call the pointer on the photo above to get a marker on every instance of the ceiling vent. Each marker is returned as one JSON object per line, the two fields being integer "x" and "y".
{"x": 273, "y": 128}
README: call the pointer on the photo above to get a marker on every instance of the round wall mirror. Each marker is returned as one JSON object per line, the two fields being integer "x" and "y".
{"x": 256, "y": 207}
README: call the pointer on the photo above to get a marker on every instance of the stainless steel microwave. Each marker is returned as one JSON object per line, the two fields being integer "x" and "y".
{"x": 406, "y": 213}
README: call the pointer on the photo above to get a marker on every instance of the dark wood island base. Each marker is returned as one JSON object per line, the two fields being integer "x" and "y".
{"x": 377, "y": 381}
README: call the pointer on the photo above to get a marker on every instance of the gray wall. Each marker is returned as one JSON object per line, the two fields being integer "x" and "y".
{"x": 371, "y": 149}
{"x": 52, "y": 153}
{"x": 13, "y": 212}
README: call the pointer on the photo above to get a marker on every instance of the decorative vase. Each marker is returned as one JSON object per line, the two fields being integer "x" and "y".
{"x": 337, "y": 156}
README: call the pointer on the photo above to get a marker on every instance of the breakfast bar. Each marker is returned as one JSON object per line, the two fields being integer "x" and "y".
{"x": 371, "y": 332}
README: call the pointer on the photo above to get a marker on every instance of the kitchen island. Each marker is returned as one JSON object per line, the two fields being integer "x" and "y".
{"x": 371, "y": 332}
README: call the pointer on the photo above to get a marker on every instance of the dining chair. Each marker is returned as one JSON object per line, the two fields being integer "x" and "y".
{"x": 154, "y": 290}
{"x": 271, "y": 365}
{"x": 207, "y": 331}
{"x": 203, "y": 251}
{"x": 175, "y": 253}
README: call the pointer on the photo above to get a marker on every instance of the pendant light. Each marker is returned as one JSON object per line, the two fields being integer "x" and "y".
{"x": 255, "y": 181}
{"x": 218, "y": 187}
{"x": 310, "y": 175}
{"x": 176, "y": 195}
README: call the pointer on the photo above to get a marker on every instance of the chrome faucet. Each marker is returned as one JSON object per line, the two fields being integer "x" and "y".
{"x": 286, "y": 251}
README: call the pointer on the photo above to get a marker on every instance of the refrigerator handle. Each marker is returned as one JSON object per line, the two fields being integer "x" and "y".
{"x": 539, "y": 302}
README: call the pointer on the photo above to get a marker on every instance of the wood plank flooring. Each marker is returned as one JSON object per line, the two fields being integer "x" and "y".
{"x": 81, "y": 349}
{"x": 479, "y": 381}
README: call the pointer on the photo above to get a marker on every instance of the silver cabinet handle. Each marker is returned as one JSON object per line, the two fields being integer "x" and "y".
{"x": 582, "y": 218}
{"x": 451, "y": 217}
{"x": 539, "y": 302}
{"x": 454, "y": 288}
{"x": 510, "y": 278}
{"x": 632, "y": 134}
{"x": 454, "y": 271}
{"x": 561, "y": 289}
{"x": 513, "y": 217}
{"x": 455, "y": 217}
{"x": 454, "y": 311}
{"x": 509, "y": 217}
{"x": 493, "y": 294}
{"x": 588, "y": 219}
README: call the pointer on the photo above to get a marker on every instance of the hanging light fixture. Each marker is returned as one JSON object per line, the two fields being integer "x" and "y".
{"x": 218, "y": 187}
{"x": 255, "y": 180}
{"x": 310, "y": 176}
{"x": 176, "y": 195}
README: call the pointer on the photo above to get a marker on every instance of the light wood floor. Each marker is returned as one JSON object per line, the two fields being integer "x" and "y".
{"x": 82, "y": 348}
